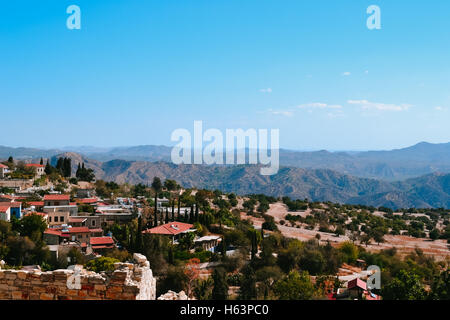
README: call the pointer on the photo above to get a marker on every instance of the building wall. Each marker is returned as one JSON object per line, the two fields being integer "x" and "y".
{"x": 52, "y": 215}
{"x": 128, "y": 282}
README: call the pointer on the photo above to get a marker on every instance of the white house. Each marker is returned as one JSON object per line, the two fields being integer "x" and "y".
{"x": 5, "y": 213}
{"x": 3, "y": 170}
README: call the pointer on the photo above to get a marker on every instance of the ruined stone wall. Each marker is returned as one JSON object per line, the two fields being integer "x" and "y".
{"x": 129, "y": 281}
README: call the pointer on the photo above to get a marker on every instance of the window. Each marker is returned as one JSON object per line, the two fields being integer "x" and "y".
{"x": 61, "y": 219}
{"x": 49, "y": 219}
{"x": 56, "y": 219}
{"x": 93, "y": 223}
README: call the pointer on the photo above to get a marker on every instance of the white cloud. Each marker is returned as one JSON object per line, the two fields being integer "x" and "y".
{"x": 366, "y": 72}
{"x": 319, "y": 105}
{"x": 285, "y": 113}
{"x": 439, "y": 108}
{"x": 367, "y": 105}
{"x": 267, "y": 90}
{"x": 346, "y": 73}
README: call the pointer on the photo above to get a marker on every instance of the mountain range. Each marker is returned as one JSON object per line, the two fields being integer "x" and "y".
{"x": 417, "y": 176}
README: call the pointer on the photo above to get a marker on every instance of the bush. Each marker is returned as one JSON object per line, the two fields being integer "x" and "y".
{"x": 102, "y": 264}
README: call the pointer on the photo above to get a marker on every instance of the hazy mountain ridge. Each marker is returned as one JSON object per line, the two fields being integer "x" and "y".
{"x": 400, "y": 164}
{"x": 432, "y": 190}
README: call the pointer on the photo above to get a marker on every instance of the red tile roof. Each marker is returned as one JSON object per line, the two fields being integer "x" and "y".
{"x": 3, "y": 166}
{"x": 55, "y": 232}
{"x": 77, "y": 220}
{"x": 88, "y": 200}
{"x": 3, "y": 209}
{"x": 96, "y": 230}
{"x": 357, "y": 283}
{"x": 56, "y": 197}
{"x": 36, "y": 213}
{"x": 101, "y": 241}
{"x": 36, "y": 203}
{"x": 172, "y": 228}
{"x": 15, "y": 204}
{"x": 79, "y": 230}
{"x": 34, "y": 165}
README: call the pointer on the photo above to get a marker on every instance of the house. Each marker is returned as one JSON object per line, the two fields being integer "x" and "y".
{"x": 85, "y": 193}
{"x": 92, "y": 222}
{"x": 16, "y": 209}
{"x": 57, "y": 217}
{"x": 59, "y": 203}
{"x": 37, "y": 205}
{"x": 173, "y": 229}
{"x": 40, "y": 168}
{"x": 53, "y": 200}
{"x": 55, "y": 236}
{"x": 208, "y": 242}
{"x": 356, "y": 288}
{"x": 3, "y": 171}
{"x": 101, "y": 245}
{"x": 5, "y": 212}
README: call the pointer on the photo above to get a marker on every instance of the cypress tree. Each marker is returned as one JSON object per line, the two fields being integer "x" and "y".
{"x": 191, "y": 214}
{"x": 196, "y": 212}
{"x": 167, "y": 215}
{"x": 179, "y": 205}
{"x": 173, "y": 209}
{"x": 220, "y": 286}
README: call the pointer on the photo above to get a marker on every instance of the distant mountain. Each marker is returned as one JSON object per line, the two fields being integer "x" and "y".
{"x": 315, "y": 184}
{"x": 394, "y": 165}
{"x": 26, "y": 153}
{"x": 421, "y": 159}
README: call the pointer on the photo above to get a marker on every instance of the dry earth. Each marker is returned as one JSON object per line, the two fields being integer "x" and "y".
{"x": 404, "y": 244}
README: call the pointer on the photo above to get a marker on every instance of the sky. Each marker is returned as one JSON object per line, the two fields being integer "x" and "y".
{"x": 138, "y": 70}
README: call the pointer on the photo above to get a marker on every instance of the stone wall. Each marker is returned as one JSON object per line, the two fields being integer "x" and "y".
{"x": 129, "y": 281}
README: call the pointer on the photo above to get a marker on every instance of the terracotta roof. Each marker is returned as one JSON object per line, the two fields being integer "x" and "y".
{"x": 88, "y": 200}
{"x": 36, "y": 203}
{"x": 357, "y": 283}
{"x": 7, "y": 196}
{"x": 74, "y": 219}
{"x": 55, "y": 232}
{"x": 96, "y": 230}
{"x": 3, "y": 166}
{"x": 15, "y": 204}
{"x": 79, "y": 230}
{"x": 172, "y": 228}
{"x": 3, "y": 209}
{"x": 37, "y": 165}
{"x": 36, "y": 213}
{"x": 101, "y": 241}
{"x": 56, "y": 197}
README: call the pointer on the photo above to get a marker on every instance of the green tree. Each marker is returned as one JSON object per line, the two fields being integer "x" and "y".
{"x": 157, "y": 186}
{"x": 248, "y": 284}
{"x": 295, "y": 286}
{"x": 405, "y": 286}
{"x": 220, "y": 286}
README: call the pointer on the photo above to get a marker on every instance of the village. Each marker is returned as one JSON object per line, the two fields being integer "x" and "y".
{"x": 203, "y": 244}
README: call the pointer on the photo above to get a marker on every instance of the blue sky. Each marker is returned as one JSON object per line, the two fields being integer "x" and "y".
{"x": 137, "y": 70}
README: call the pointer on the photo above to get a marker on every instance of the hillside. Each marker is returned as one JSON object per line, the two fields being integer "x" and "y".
{"x": 393, "y": 165}
{"x": 315, "y": 184}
